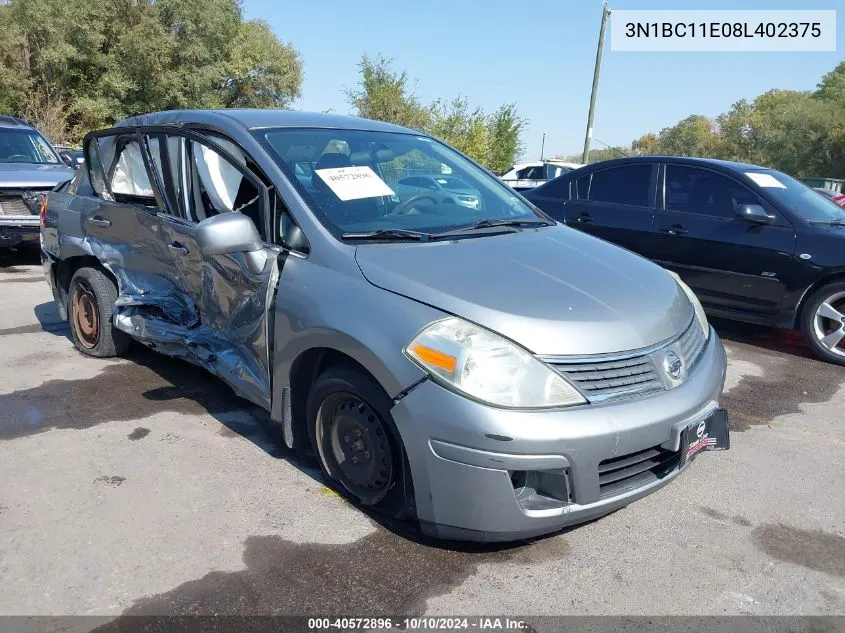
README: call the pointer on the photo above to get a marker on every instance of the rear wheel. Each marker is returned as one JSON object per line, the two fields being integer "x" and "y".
{"x": 91, "y": 298}
{"x": 356, "y": 441}
{"x": 823, "y": 322}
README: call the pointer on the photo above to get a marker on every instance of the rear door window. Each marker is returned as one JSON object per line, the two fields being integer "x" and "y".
{"x": 627, "y": 184}
{"x": 129, "y": 178}
{"x": 116, "y": 169}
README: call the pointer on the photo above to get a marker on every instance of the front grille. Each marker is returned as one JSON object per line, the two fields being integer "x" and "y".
{"x": 629, "y": 472}
{"x": 605, "y": 379}
{"x": 634, "y": 374}
{"x": 12, "y": 202}
{"x": 691, "y": 344}
{"x": 13, "y": 206}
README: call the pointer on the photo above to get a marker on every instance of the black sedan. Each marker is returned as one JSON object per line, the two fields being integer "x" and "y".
{"x": 754, "y": 244}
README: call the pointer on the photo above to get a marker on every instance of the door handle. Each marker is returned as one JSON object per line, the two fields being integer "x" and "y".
{"x": 176, "y": 247}
{"x": 99, "y": 222}
{"x": 674, "y": 230}
{"x": 584, "y": 218}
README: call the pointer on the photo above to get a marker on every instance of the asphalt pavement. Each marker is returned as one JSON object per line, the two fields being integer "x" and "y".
{"x": 144, "y": 486}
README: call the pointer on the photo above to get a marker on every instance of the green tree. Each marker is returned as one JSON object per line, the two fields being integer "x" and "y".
{"x": 74, "y": 66}
{"x": 832, "y": 86}
{"x": 647, "y": 145}
{"x": 798, "y": 132}
{"x": 384, "y": 95}
{"x": 504, "y": 138}
{"x": 739, "y": 129}
{"x": 694, "y": 136}
{"x": 261, "y": 72}
{"x": 461, "y": 126}
{"x": 794, "y": 133}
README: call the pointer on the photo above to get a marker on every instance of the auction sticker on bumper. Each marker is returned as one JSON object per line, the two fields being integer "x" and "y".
{"x": 710, "y": 433}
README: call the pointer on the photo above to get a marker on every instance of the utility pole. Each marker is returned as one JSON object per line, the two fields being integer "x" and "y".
{"x": 543, "y": 147}
{"x": 605, "y": 13}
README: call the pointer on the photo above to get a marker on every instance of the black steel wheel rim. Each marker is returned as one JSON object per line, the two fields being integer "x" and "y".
{"x": 354, "y": 446}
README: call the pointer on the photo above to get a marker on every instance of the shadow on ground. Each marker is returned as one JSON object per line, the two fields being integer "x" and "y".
{"x": 143, "y": 384}
{"x": 774, "y": 339}
{"x": 13, "y": 260}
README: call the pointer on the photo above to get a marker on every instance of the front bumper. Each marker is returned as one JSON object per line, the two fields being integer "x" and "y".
{"x": 474, "y": 467}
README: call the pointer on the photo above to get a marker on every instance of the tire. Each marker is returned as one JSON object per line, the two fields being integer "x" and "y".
{"x": 822, "y": 326}
{"x": 90, "y": 305}
{"x": 348, "y": 419}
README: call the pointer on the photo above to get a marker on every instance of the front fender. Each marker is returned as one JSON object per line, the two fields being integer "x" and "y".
{"x": 318, "y": 307}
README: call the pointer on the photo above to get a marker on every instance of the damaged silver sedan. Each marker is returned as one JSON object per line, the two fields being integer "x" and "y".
{"x": 481, "y": 369}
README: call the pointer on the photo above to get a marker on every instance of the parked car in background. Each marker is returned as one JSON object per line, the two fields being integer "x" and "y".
{"x": 71, "y": 156}
{"x": 29, "y": 166}
{"x": 524, "y": 176}
{"x": 833, "y": 196}
{"x": 754, "y": 244}
{"x": 459, "y": 366}
{"x": 446, "y": 187}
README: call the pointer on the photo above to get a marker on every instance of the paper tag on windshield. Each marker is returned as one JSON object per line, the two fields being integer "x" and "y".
{"x": 765, "y": 180}
{"x": 354, "y": 183}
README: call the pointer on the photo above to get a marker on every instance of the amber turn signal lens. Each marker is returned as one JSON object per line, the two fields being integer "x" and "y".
{"x": 433, "y": 357}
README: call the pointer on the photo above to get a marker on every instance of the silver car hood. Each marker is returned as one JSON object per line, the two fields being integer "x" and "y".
{"x": 25, "y": 175}
{"x": 555, "y": 291}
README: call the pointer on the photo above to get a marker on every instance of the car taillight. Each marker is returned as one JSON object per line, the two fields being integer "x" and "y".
{"x": 42, "y": 211}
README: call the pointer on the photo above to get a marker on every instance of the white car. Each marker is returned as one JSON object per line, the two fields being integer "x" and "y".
{"x": 529, "y": 175}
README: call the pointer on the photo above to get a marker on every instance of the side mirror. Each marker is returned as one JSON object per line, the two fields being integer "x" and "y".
{"x": 753, "y": 213}
{"x": 67, "y": 159}
{"x": 228, "y": 233}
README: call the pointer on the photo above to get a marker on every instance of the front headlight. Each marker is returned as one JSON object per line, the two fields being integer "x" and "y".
{"x": 487, "y": 367}
{"x": 696, "y": 304}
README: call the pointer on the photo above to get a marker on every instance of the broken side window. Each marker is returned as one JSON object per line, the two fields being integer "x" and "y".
{"x": 129, "y": 177}
{"x": 166, "y": 156}
{"x": 218, "y": 186}
{"x": 94, "y": 166}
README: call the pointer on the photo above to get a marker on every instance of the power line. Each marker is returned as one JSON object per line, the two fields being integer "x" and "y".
{"x": 612, "y": 147}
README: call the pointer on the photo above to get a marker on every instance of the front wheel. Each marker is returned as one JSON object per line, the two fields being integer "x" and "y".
{"x": 356, "y": 441}
{"x": 823, "y": 322}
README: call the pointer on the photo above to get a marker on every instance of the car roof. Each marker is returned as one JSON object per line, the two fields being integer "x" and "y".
{"x": 258, "y": 119}
{"x": 683, "y": 160}
{"x": 10, "y": 122}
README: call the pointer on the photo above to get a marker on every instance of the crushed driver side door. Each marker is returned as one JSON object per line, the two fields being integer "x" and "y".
{"x": 121, "y": 226}
{"x": 200, "y": 177}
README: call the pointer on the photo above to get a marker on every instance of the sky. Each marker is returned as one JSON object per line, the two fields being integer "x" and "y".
{"x": 539, "y": 56}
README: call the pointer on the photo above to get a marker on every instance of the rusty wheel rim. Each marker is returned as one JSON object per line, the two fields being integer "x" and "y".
{"x": 86, "y": 318}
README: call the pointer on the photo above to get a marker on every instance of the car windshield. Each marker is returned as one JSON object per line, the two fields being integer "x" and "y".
{"x": 364, "y": 181}
{"x": 25, "y": 146}
{"x": 797, "y": 197}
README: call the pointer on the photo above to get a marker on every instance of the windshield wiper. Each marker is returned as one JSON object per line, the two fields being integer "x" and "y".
{"x": 834, "y": 222}
{"x": 488, "y": 224}
{"x": 388, "y": 234}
